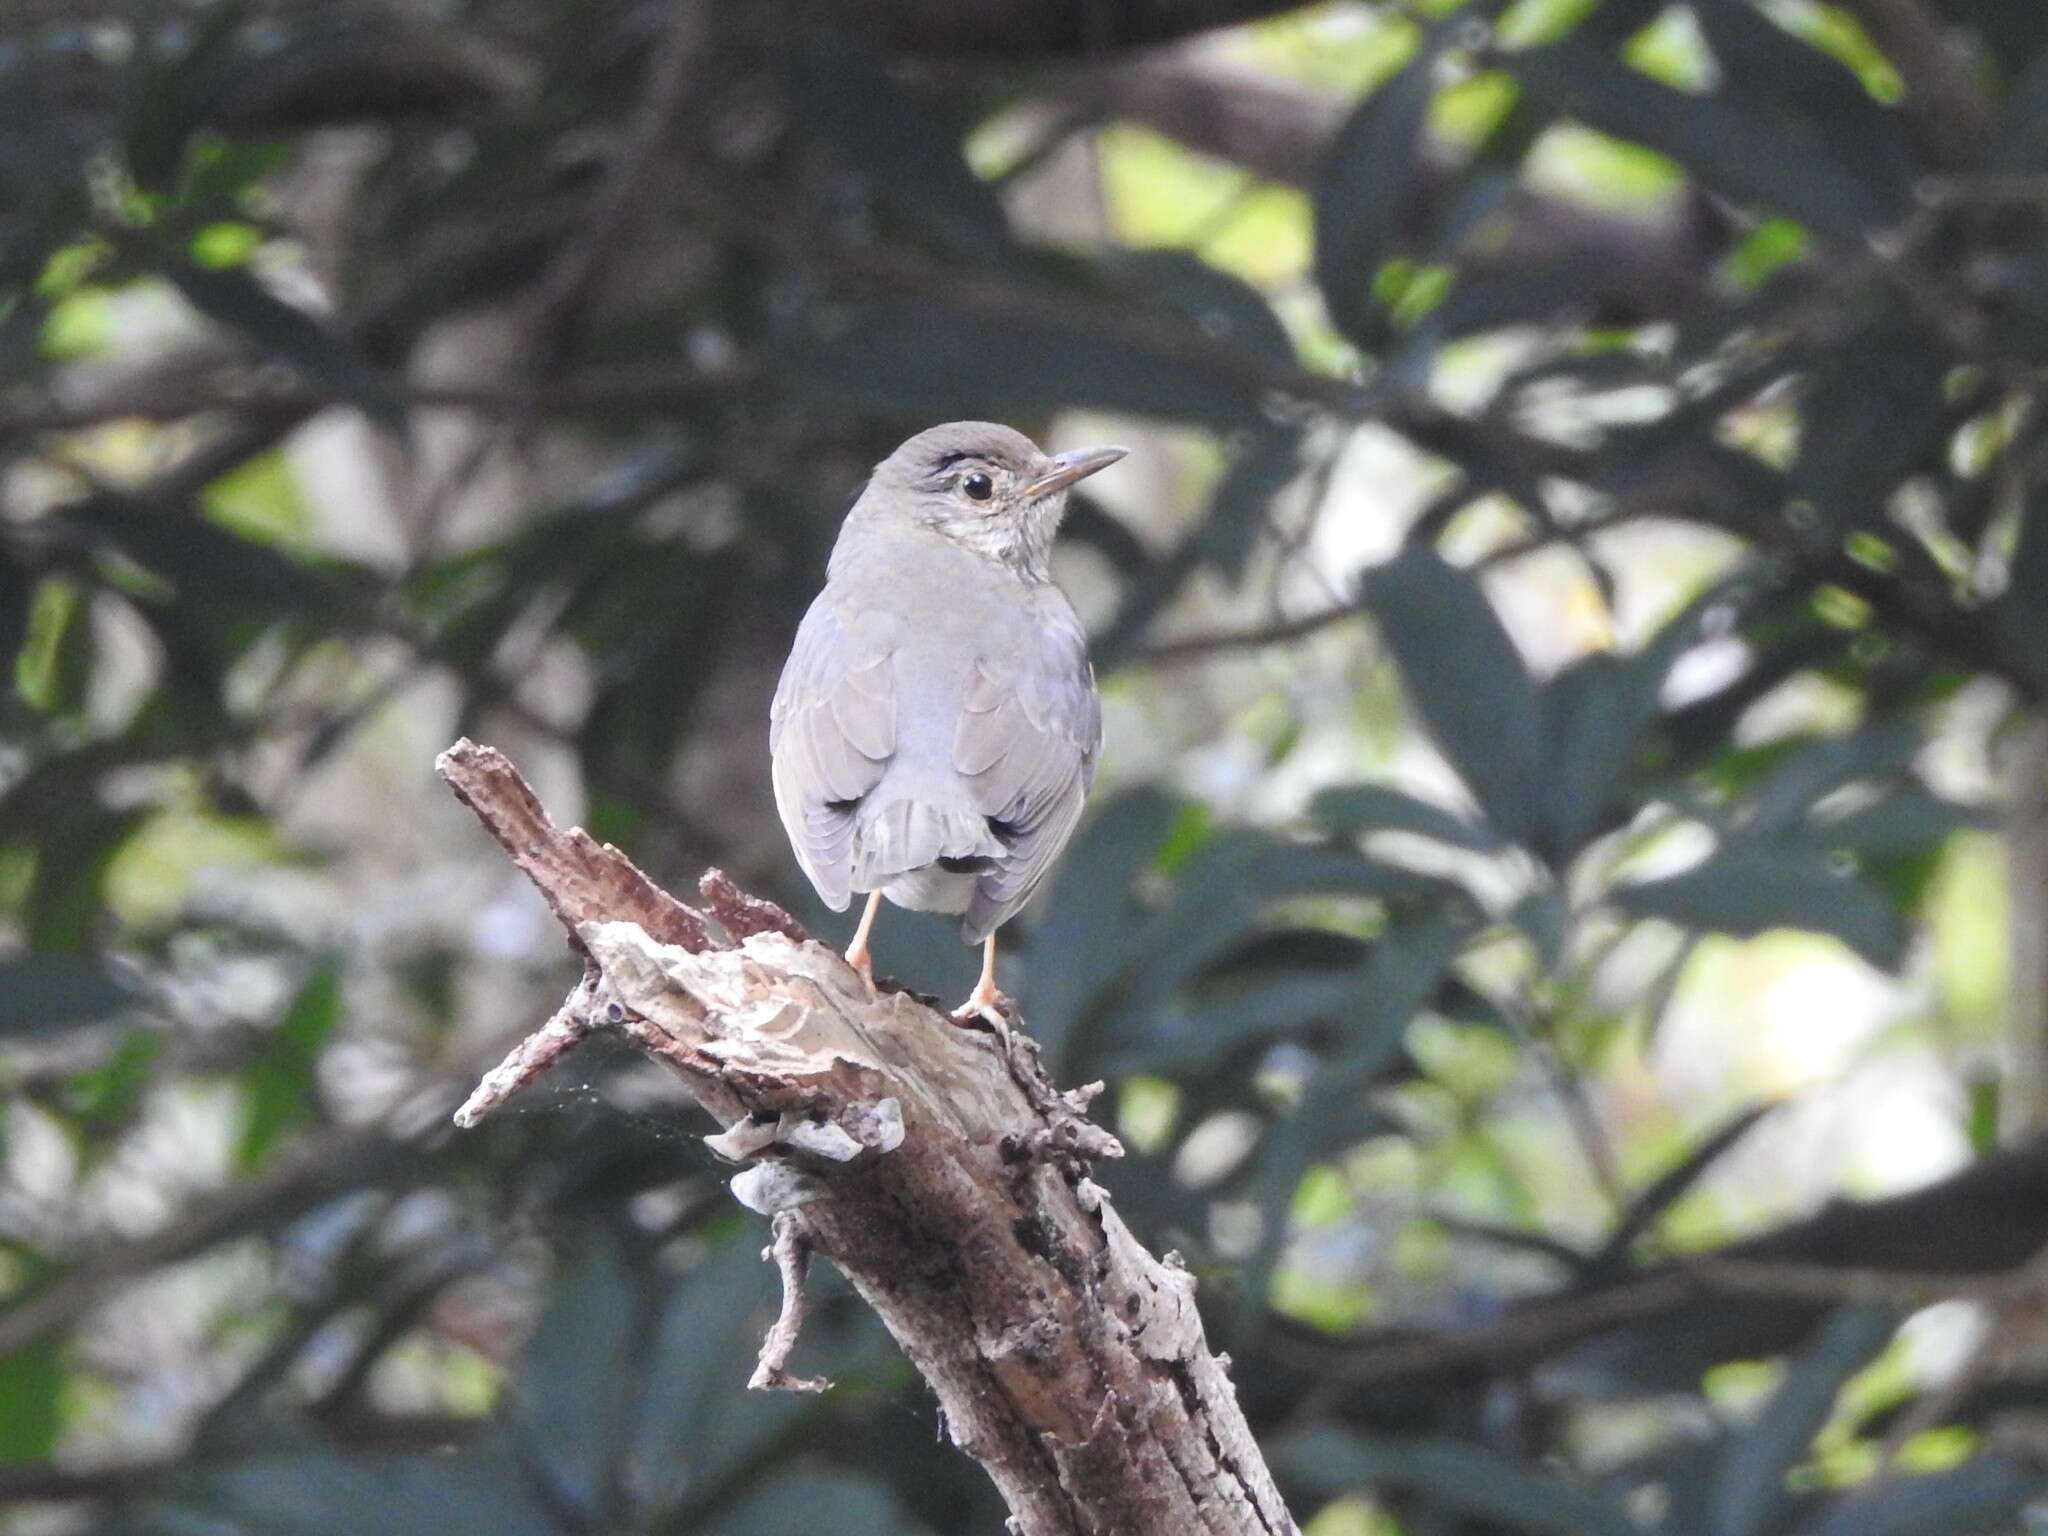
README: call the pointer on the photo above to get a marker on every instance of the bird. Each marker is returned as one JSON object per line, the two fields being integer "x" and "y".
{"x": 936, "y": 727}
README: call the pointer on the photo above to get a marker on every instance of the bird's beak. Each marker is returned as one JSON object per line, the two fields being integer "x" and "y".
{"x": 1069, "y": 467}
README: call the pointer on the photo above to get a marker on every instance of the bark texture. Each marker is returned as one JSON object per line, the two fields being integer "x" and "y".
{"x": 949, "y": 1185}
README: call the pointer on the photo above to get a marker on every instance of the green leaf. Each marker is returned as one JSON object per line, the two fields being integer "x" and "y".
{"x": 1355, "y": 809}
{"x": 280, "y": 1084}
{"x": 1745, "y": 890}
{"x": 1749, "y": 1492}
{"x": 45, "y": 994}
{"x": 1452, "y": 1476}
{"x": 1359, "y": 194}
{"x": 232, "y": 296}
{"x": 1465, "y": 679}
{"x": 31, "y": 1393}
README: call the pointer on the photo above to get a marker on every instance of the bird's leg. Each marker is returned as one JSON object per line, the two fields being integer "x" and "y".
{"x": 857, "y": 954}
{"x": 985, "y": 1002}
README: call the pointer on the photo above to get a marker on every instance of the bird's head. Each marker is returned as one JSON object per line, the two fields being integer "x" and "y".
{"x": 982, "y": 486}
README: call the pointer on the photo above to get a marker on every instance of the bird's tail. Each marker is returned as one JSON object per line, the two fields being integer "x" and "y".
{"x": 905, "y": 835}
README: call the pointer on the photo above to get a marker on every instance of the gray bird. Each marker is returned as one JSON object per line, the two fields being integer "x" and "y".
{"x": 936, "y": 727}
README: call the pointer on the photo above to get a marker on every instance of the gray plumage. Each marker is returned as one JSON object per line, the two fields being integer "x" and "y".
{"x": 936, "y": 727}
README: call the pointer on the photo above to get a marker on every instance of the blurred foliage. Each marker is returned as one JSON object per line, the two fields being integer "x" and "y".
{"x": 608, "y": 305}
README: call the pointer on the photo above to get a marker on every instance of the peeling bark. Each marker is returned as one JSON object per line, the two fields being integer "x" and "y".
{"x": 950, "y": 1187}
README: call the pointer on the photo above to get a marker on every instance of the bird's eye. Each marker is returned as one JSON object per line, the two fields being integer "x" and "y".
{"x": 978, "y": 486}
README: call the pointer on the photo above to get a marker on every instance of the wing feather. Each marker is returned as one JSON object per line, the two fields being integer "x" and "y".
{"x": 1030, "y": 727}
{"x": 831, "y": 733}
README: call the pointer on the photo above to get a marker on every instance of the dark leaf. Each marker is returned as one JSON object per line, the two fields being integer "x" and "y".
{"x": 1466, "y": 680}
{"x": 1241, "y": 506}
{"x": 172, "y": 94}
{"x": 1089, "y": 909}
{"x": 1814, "y": 771}
{"x": 1904, "y": 823}
{"x": 1750, "y": 1492}
{"x": 2023, "y": 610}
{"x": 1596, "y": 711}
{"x": 1451, "y": 1475}
{"x": 904, "y": 157}
{"x": 1872, "y": 412}
{"x": 795, "y": 1504}
{"x": 1223, "y": 307}
{"x": 1400, "y": 977}
{"x": 1362, "y": 808}
{"x": 1360, "y": 191}
{"x": 573, "y": 1398}
{"x": 1984, "y": 1497}
{"x": 1813, "y": 99}
{"x": 44, "y": 994}
{"x": 1746, "y": 890}
{"x": 1224, "y": 887}
{"x": 2023, "y": 140}
{"x": 483, "y": 1489}
{"x": 233, "y": 296}
{"x": 1780, "y": 162}
{"x": 926, "y": 359}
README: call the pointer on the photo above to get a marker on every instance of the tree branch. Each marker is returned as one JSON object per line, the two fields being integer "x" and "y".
{"x": 949, "y": 1187}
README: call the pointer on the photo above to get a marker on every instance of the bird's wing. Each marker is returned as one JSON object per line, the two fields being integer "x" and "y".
{"x": 831, "y": 733}
{"x": 1030, "y": 726}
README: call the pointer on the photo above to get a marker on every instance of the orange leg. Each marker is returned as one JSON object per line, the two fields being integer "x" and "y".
{"x": 984, "y": 1002}
{"x": 857, "y": 953}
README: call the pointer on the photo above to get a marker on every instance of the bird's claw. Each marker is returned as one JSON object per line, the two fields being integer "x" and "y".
{"x": 989, "y": 1008}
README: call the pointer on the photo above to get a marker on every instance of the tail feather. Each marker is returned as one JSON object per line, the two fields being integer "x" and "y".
{"x": 905, "y": 835}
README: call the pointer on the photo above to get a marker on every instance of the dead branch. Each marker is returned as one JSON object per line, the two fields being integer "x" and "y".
{"x": 949, "y": 1187}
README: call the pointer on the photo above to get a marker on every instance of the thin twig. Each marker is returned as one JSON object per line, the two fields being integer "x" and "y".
{"x": 572, "y": 1022}
{"x": 791, "y": 1251}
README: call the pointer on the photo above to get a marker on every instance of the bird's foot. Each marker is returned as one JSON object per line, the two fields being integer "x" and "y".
{"x": 987, "y": 1008}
